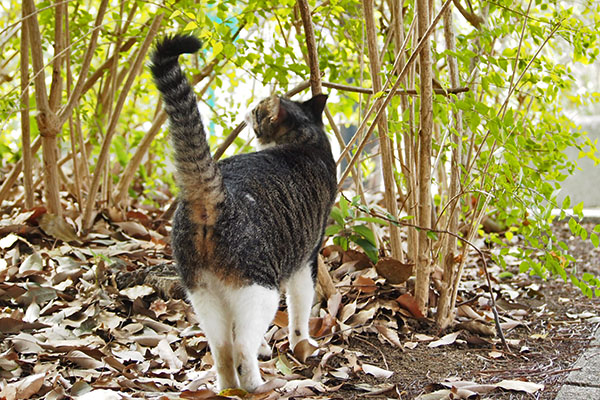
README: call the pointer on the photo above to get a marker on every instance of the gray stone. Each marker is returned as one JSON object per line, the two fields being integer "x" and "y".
{"x": 589, "y": 362}
{"x": 585, "y": 382}
{"x": 570, "y": 392}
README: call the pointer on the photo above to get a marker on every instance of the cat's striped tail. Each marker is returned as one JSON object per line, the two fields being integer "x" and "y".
{"x": 198, "y": 175}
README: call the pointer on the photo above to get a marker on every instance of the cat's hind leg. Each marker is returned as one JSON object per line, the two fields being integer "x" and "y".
{"x": 254, "y": 308}
{"x": 216, "y": 321}
{"x": 300, "y": 290}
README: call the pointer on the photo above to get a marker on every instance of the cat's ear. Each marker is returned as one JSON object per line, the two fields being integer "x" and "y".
{"x": 277, "y": 112}
{"x": 316, "y": 105}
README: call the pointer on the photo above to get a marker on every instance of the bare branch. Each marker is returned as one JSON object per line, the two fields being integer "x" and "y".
{"x": 313, "y": 60}
{"x": 385, "y": 143}
{"x": 471, "y": 17}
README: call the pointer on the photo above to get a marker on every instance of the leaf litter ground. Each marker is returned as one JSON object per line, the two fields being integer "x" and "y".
{"x": 104, "y": 318}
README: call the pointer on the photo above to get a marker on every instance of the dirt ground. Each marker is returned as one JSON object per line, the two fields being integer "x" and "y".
{"x": 550, "y": 339}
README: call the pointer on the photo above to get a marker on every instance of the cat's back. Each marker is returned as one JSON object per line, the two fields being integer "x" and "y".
{"x": 276, "y": 205}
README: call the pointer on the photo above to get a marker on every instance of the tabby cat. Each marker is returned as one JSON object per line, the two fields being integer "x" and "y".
{"x": 251, "y": 225}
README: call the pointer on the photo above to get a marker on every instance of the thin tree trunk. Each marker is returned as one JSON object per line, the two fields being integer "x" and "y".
{"x": 103, "y": 156}
{"x": 423, "y": 262}
{"x": 25, "y": 126}
{"x": 385, "y": 143}
{"x": 81, "y": 86}
{"x": 445, "y": 313}
{"x": 48, "y": 122}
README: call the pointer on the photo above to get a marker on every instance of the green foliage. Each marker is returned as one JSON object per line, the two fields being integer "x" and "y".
{"x": 517, "y": 151}
{"x": 347, "y": 228}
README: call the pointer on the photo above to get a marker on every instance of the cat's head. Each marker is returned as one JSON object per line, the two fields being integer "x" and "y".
{"x": 275, "y": 120}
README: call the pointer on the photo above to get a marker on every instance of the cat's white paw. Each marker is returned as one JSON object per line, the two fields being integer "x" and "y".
{"x": 264, "y": 351}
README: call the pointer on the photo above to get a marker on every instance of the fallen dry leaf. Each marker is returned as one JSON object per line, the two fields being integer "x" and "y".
{"x": 376, "y": 371}
{"x": 58, "y": 228}
{"x": 394, "y": 271}
{"x": 408, "y": 302}
{"x": 445, "y": 340}
{"x": 521, "y": 386}
{"x": 304, "y": 349}
{"x": 23, "y": 388}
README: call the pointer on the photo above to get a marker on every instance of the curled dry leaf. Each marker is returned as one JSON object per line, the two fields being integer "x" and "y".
{"x": 100, "y": 394}
{"x": 23, "y": 388}
{"x": 137, "y": 291}
{"x": 8, "y": 240}
{"x": 445, "y": 340}
{"x": 365, "y": 284}
{"x": 376, "y": 371}
{"x": 390, "y": 334}
{"x": 479, "y": 328}
{"x": 304, "y": 349}
{"x": 58, "y": 228}
{"x": 521, "y": 386}
{"x": 408, "y": 302}
{"x": 394, "y": 271}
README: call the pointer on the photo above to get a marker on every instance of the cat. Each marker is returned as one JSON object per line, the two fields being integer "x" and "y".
{"x": 251, "y": 225}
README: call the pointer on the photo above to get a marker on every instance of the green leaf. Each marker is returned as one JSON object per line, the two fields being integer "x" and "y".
{"x": 365, "y": 232}
{"x": 217, "y": 48}
{"x": 333, "y": 230}
{"x": 595, "y": 239}
{"x": 337, "y": 215}
{"x": 190, "y": 26}
{"x": 370, "y": 250}
{"x": 578, "y": 210}
{"x": 566, "y": 203}
{"x": 432, "y": 235}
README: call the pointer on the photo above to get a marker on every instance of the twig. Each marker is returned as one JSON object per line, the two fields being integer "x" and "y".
{"x": 87, "y": 60}
{"x": 473, "y": 18}
{"x": 409, "y": 92}
{"x": 385, "y": 142}
{"x": 358, "y": 337}
{"x": 25, "y": 126}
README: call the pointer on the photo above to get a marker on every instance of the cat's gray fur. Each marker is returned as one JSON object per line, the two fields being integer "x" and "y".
{"x": 250, "y": 224}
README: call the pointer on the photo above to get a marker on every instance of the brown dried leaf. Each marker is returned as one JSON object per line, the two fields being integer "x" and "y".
{"x": 479, "y": 328}
{"x": 365, "y": 284}
{"x": 13, "y": 325}
{"x": 134, "y": 229}
{"x": 390, "y": 334}
{"x": 408, "y": 302}
{"x": 58, "y": 228}
{"x": 24, "y": 388}
{"x": 137, "y": 291}
{"x": 521, "y": 386}
{"x": 281, "y": 319}
{"x": 304, "y": 349}
{"x": 353, "y": 255}
{"x": 394, "y": 271}
{"x": 83, "y": 360}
